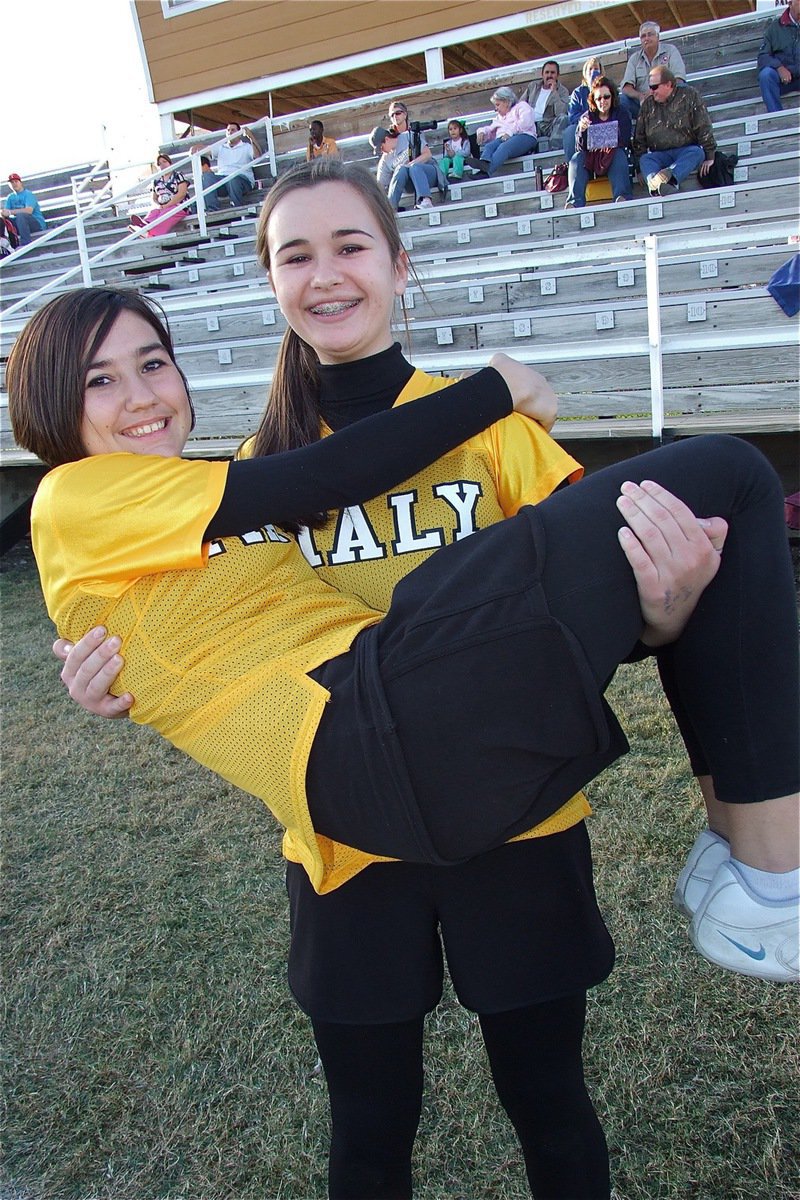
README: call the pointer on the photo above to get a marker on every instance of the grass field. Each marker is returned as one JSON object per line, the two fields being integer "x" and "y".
{"x": 151, "y": 1050}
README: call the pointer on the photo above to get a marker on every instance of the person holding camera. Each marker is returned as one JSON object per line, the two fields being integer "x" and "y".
{"x": 406, "y": 163}
{"x": 511, "y": 134}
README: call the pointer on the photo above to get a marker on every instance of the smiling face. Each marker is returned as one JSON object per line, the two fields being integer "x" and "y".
{"x": 332, "y": 271}
{"x": 134, "y": 396}
{"x": 602, "y": 100}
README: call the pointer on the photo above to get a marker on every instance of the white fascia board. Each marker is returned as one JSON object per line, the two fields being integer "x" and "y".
{"x": 367, "y": 58}
{"x": 185, "y": 6}
{"x": 450, "y": 37}
{"x": 140, "y": 43}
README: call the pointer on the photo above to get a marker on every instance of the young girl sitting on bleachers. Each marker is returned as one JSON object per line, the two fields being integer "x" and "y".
{"x": 456, "y": 148}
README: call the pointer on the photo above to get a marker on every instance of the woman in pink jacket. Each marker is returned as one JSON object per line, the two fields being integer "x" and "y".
{"x": 511, "y": 134}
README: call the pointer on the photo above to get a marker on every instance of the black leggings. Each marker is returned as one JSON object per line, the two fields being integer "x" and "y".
{"x": 375, "y": 1080}
{"x": 474, "y": 708}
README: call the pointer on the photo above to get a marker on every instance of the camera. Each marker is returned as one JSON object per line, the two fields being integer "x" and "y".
{"x": 419, "y": 126}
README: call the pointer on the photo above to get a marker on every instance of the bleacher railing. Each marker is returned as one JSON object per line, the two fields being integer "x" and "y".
{"x": 83, "y": 195}
{"x": 109, "y": 204}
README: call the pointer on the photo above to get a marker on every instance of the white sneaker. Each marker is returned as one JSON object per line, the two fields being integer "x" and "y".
{"x": 425, "y": 202}
{"x": 706, "y": 854}
{"x": 742, "y": 932}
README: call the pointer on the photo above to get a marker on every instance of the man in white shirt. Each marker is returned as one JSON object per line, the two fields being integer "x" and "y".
{"x": 236, "y": 155}
{"x": 549, "y": 100}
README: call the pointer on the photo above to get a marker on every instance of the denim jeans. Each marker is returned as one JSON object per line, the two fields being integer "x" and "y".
{"x": 631, "y": 105}
{"x": 618, "y": 173}
{"x": 496, "y": 152}
{"x": 680, "y": 161}
{"x": 25, "y": 226}
{"x": 237, "y": 188}
{"x": 772, "y": 88}
{"x": 569, "y": 135}
{"x": 418, "y": 178}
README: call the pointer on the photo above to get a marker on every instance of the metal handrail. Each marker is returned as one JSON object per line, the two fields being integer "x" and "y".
{"x": 80, "y": 183}
{"x": 78, "y": 223}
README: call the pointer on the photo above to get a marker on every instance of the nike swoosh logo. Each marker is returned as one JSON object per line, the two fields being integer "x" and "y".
{"x": 758, "y": 954}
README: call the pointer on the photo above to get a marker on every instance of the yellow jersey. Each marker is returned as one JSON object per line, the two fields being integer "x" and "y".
{"x": 367, "y": 549}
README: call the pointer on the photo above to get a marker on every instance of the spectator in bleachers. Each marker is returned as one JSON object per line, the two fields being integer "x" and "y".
{"x": 236, "y": 155}
{"x": 209, "y": 179}
{"x": 319, "y": 145}
{"x": 406, "y": 163}
{"x": 169, "y": 190}
{"x": 603, "y": 135}
{"x": 21, "y": 207}
{"x": 653, "y": 53}
{"x": 456, "y": 149}
{"x": 579, "y": 103}
{"x": 779, "y": 57}
{"x": 673, "y": 135}
{"x": 549, "y": 100}
{"x": 511, "y": 134}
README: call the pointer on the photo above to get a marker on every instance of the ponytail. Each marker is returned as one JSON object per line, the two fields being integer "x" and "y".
{"x": 291, "y": 417}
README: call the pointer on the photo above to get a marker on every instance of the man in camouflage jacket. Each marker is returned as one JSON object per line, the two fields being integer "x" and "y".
{"x": 673, "y": 134}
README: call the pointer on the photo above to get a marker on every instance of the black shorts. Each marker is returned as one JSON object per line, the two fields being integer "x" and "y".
{"x": 520, "y": 925}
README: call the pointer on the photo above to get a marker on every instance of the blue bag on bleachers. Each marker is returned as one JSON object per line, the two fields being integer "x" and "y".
{"x": 784, "y": 286}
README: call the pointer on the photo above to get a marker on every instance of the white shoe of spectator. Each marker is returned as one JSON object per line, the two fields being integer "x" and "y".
{"x": 425, "y": 202}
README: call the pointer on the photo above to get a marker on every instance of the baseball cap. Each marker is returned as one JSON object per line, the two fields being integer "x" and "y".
{"x": 14, "y": 177}
{"x": 379, "y": 136}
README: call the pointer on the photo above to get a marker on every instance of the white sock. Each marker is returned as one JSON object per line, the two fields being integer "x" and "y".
{"x": 770, "y": 885}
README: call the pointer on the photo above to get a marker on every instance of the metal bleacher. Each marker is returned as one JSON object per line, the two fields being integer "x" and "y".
{"x": 651, "y": 318}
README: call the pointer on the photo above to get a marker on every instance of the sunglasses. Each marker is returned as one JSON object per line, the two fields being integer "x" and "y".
{"x": 654, "y": 86}
{"x": 602, "y": 95}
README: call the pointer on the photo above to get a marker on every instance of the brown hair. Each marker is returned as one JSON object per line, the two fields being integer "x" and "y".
{"x": 46, "y": 372}
{"x": 603, "y": 81}
{"x": 664, "y": 75}
{"x": 291, "y": 417}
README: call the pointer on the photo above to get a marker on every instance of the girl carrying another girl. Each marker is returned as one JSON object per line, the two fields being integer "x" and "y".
{"x": 469, "y": 715}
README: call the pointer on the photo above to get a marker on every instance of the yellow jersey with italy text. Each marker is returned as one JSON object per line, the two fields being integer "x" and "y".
{"x": 368, "y": 548}
{"x": 217, "y": 637}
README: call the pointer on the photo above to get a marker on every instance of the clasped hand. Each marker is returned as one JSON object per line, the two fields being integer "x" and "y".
{"x": 673, "y": 554}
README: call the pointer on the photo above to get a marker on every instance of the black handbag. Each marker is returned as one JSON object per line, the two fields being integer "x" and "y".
{"x": 721, "y": 174}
